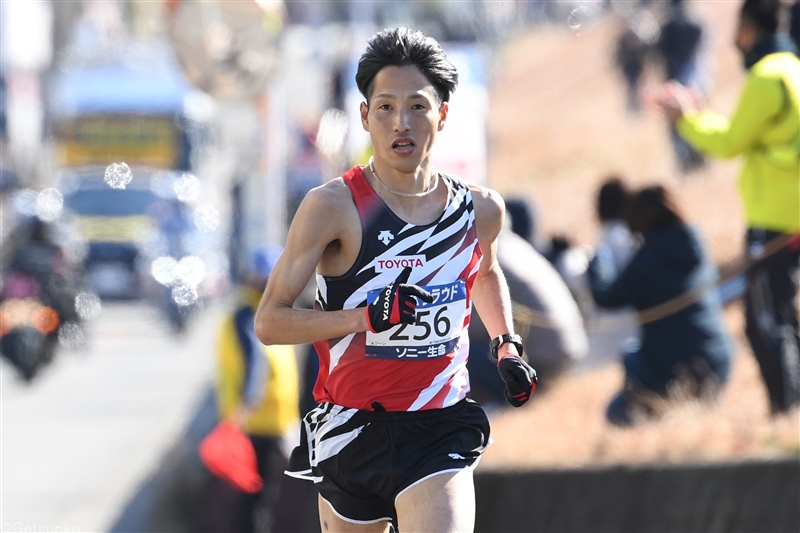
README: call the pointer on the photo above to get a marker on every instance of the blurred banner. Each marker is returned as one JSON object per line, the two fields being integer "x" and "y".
{"x": 461, "y": 146}
{"x": 97, "y": 139}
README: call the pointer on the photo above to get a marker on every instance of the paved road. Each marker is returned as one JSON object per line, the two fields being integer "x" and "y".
{"x": 79, "y": 440}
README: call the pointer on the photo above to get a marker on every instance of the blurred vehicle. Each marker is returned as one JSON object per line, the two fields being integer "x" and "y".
{"x": 115, "y": 223}
{"x": 28, "y": 327}
{"x": 143, "y": 241}
{"x": 37, "y": 298}
{"x": 133, "y": 106}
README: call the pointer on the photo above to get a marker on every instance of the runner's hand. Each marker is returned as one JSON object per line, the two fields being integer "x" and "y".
{"x": 520, "y": 379}
{"x": 396, "y": 304}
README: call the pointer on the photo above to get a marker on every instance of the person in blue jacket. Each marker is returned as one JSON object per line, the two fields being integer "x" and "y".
{"x": 671, "y": 282}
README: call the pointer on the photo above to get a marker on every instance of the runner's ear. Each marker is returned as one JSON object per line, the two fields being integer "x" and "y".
{"x": 443, "y": 110}
{"x": 364, "y": 111}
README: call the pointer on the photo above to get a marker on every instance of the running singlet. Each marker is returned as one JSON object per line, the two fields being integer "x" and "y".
{"x": 410, "y": 367}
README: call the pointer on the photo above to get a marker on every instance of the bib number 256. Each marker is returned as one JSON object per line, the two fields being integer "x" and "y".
{"x": 439, "y": 323}
{"x": 435, "y": 333}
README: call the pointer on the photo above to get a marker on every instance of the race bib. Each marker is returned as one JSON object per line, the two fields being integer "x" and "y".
{"x": 436, "y": 332}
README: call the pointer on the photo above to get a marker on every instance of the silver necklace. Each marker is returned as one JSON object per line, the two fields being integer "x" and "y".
{"x": 406, "y": 194}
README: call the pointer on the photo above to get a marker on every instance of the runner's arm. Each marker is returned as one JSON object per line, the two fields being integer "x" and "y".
{"x": 490, "y": 291}
{"x": 317, "y": 224}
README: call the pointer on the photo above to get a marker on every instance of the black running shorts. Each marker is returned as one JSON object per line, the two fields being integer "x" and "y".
{"x": 362, "y": 460}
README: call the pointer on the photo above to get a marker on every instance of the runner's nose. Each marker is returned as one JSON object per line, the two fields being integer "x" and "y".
{"x": 402, "y": 120}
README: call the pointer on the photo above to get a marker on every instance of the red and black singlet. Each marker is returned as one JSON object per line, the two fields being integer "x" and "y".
{"x": 410, "y": 367}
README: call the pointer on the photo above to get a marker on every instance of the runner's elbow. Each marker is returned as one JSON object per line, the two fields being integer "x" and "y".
{"x": 265, "y": 327}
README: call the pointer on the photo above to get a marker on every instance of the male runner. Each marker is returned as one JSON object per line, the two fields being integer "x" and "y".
{"x": 400, "y": 251}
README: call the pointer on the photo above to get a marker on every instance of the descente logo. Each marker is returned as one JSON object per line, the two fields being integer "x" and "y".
{"x": 413, "y": 261}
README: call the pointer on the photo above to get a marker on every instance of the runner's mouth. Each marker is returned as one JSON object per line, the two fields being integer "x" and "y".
{"x": 403, "y": 145}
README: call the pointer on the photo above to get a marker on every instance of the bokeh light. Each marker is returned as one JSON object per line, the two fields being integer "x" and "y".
{"x": 49, "y": 204}
{"x": 72, "y": 335}
{"x": 187, "y": 188}
{"x": 118, "y": 175}
{"x": 184, "y": 295}
{"x": 164, "y": 270}
{"x": 206, "y": 218}
{"x": 332, "y": 131}
{"x": 190, "y": 270}
{"x": 87, "y": 305}
{"x": 24, "y": 202}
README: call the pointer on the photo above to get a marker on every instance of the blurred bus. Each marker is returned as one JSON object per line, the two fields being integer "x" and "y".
{"x": 123, "y": 228}
{"x": 115, "y": 113}
{"x": 146, "y": 116}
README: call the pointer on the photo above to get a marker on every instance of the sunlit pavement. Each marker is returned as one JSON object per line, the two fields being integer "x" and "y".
{"x": 78, "y": 441}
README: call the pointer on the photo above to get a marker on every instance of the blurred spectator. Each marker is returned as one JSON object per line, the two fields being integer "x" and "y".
{"x": 794, "y": 26}
{"x": 174, "y": 223}
{"x": 686, "y": 348}
{"x": 8, "y": 184}
{"x": 765, "y": 128}
{"x": 610, "y": 330}
{"x": 612, "y": 202}
{"x": 679, "y": 46}
{"x": 554, "y": 337}
{"x": 572, "y": 261}
{"x": 3, "y": 133}
{"x": 522, "y": 216}
{"x": 36, "y": 251}
{"x": 632, "y": 51}
{"x": 304, "y": 170}
{"x": 257, "y": 389}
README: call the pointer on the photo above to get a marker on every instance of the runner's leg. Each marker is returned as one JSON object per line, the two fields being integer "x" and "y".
{"x": 330, "y": 522}
{"x": 443, "y": 503}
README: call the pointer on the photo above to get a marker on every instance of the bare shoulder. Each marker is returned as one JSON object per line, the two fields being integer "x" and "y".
{"x": 334, "y": 194}
{"x": 489, "y": 211}
{"x": 327, "y": 206}
{"x": 326, "y": 228}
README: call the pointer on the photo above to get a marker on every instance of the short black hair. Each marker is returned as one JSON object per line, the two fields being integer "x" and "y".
{"x": 651, "y": 209}
{"x": 765, "y": 16}
{"x": 612, "y": 199}
{"x": 402, "y": 47}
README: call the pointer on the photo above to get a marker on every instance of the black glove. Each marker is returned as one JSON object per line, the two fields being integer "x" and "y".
{"x": 520, "y": 379}
{"x": 396, "y": 304}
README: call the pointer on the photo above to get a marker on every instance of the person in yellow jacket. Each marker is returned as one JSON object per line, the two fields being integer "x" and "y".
{"x": 257, "y": 388}
{"x": 765, "y": 129}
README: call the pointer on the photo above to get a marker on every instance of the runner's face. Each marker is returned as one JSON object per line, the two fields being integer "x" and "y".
{"x": 403, "y": 117}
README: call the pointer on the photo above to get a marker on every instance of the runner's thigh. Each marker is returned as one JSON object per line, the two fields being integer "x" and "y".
{"x": 329, "y": 522}
{"x": 443, "y": 503}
